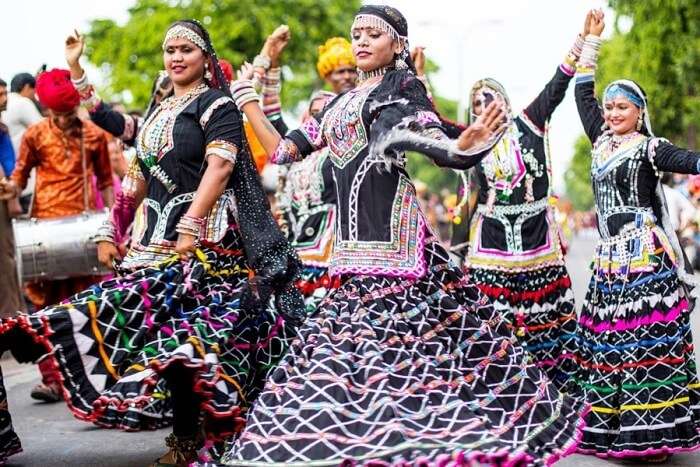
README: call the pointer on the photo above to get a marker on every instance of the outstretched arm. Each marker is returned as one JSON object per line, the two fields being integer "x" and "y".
{"x": 408, "y": 123}
{"x": 589, "y": 110}
{"x": 121, "y": 125}
{"x": 291, "y": 148}
{"x": 541, "y": 108}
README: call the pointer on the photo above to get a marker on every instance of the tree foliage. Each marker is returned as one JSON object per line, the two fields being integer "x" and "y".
{"x": 130, "y": 55}
{"x": 661, "y": 51}
{"x": 578, "y": 177}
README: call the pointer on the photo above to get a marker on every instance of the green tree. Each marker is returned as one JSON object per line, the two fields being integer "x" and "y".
{"x": 660, "y": 51}
{"x": 130, "y": 55}
{"x": 578, "y": 177}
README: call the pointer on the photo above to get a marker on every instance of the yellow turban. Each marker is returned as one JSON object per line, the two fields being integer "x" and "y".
{"x": 334, "y": 53}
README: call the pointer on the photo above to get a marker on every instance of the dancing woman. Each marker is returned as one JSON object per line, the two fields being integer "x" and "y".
{"x": 406, "y": 361}
{"x": 182, "y": 309}
{"x": 635, "y": 351}
{"x": 515, "y": 252}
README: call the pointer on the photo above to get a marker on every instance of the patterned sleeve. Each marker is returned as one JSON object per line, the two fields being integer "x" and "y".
{"x": 666, "y": 157}
{"x": 589, "y": 110}
{"x": 300, "y": 142}
{"x": 540, "y": 110}
{"x": 404, "y": 119}
{"x": 222, "y": 125}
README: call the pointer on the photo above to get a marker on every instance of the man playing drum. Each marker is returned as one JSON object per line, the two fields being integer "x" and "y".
{"x": 66, "y": 152}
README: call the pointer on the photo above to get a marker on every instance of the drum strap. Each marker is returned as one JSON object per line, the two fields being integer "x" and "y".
{"x": 86, "y": 186}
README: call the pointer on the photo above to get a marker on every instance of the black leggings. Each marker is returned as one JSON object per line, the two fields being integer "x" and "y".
{"x": 185, "y": 401}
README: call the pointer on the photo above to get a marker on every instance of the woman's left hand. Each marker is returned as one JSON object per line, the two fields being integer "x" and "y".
{"x": 186, "y": 246}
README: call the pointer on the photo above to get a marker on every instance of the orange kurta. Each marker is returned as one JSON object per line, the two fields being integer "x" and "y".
{"x": 59, "y": 169}
{"x": 60, "y": 182}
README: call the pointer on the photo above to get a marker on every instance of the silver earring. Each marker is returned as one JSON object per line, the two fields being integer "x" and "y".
{"x": 207, "y": 73}
{"x": 640, "y": 122}
{"x": 401, "y": 64}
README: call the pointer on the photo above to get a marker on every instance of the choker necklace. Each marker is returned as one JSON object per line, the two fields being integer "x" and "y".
{"x": 365, "y": 75}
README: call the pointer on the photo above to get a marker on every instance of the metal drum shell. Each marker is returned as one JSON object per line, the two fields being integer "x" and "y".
{"x": 60, "y": 248}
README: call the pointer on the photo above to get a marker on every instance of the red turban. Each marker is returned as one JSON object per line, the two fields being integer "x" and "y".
{"x": 56, "y": 91}
{"x": 227, "y": 69}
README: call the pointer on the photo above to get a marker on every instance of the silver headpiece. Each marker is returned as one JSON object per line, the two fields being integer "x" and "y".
{"x": 181, "y": 32}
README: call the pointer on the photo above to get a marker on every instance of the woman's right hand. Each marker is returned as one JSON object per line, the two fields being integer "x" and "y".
{"x": 75, "y": 44}
{"x": 597, "y": 23}
{"x": 107, "y": 252}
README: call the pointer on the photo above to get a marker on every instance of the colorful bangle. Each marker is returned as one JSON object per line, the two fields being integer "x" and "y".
{"x": 190, "y": 225}
{"x": 243, "y": 92}
{"x": 262, "y": 61}
{"x": 105, "y": 233}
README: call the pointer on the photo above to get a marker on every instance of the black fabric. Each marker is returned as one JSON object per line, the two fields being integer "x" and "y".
{"x": 113, "y": 122}
{"x": 541, "y": 109}
{"x": 589, "y": 110}
{"x": 394, "y": 103}
{"x": 185, "y": 402}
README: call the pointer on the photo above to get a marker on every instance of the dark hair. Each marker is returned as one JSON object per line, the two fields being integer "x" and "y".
{"x": 3, "y": 84}
{"x": 20, "y": 81}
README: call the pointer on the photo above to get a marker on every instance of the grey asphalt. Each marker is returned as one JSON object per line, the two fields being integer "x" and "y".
{"x": 52, "y": 437}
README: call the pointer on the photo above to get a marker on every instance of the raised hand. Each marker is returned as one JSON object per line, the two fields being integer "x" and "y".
{"x": 597, "y": 23}
{"x": 489, "y": 123}
{"x": 75, "y": 44}
{"x": 246, "y": 71}
{"x": 276, "y": 43}
{"x": 587, "y": 24}
{"x": 418, "y": 58}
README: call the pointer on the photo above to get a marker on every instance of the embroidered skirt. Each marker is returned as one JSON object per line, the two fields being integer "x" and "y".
{"x": 9, "y": 442}
{"x": 538, "y": 307}
{"x": 113, "y": 342}
{"x": 635, "y": 351}
{"x": 404, "y": 371}
{"x": 315, "y": 284}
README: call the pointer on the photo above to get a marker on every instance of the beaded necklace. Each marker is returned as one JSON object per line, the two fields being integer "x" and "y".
{"x": 363, "y": 76}
{"x": 156, "y": 139}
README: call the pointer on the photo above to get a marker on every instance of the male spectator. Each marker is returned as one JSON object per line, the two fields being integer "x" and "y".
{"x": 21, "y": 113}
{"x": 66, "y": 152}
{"x": 21, "y": 110}
{"x": 10, "y": 299}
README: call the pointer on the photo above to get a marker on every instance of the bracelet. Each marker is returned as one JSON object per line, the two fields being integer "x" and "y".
{"x": 243, "y": 92}
{"x": 262, "y": 61}
{"x": 190, "y": 225}
{"x": 105, "y": 233}
{"x": 589, "y": 52}
{"x": 88, "y": 96}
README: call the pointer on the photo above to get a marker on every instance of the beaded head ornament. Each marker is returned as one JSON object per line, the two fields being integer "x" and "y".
{"x": 179, "y": 31}
{"x": 391, "y": 21}
{"x": 632, "y": 92}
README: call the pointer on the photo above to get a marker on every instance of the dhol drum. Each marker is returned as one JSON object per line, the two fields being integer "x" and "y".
{"x": 48, "y": 249}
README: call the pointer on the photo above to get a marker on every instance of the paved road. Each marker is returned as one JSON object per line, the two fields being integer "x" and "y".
{"x": 52, "y": 437}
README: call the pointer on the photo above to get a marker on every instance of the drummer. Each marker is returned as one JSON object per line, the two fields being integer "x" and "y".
{"x": 66, "y": 152}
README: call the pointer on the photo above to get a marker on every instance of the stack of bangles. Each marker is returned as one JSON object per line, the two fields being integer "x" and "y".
{"x": 243, "y": 92}
{"x": 190, "y": 225}
{"x": 105, "y": 233}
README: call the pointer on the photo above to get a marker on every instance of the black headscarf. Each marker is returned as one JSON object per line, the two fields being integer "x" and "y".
{"x": 268, "y": 252}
